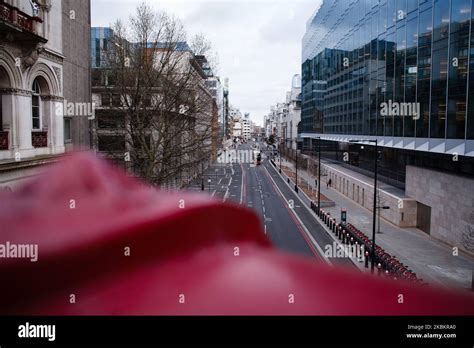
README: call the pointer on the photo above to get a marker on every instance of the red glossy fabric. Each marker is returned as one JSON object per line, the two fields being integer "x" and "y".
{"x": 188, "y": 255}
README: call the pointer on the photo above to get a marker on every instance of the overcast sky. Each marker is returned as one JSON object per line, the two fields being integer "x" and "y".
{"x": 258, "y": 41}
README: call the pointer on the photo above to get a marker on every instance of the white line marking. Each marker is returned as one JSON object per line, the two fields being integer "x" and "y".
{"x": 325, "y": 228}
{"x": 323, "y": 256}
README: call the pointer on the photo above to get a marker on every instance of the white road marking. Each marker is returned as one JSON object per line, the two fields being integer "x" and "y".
{"x": 322, "y": 254}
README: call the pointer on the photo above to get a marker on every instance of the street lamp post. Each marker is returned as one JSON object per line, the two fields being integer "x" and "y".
{"x": 296, "y": 181}
{"x": 280, "y": 158}
{"x": 319, "y": 174}
{"x": 374, "y": 215}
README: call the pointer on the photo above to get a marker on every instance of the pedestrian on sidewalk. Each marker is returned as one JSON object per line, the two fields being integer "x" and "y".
{"x": 329, "y": 183}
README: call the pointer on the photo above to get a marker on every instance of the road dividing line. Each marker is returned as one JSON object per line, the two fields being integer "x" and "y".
{"x": 301, "y": 227}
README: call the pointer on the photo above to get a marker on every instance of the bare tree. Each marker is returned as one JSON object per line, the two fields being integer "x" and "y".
{"x": 158, "y": 88}
{"x": 201, "y": 46}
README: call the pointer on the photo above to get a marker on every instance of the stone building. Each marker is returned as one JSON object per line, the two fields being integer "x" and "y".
{"x": 44, "y": 76}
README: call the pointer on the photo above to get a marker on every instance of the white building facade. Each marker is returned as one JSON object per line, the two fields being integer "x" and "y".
{"x": 31, "y": 88}
{"x": 36, "y": 68}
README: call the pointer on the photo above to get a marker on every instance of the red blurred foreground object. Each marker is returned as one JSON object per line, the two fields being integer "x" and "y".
{"x": 108, "y": 245}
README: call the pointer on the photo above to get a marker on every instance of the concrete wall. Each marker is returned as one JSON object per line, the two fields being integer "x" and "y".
{"x": 77, "y": 66}
{"x": 402, "y": 212}
{"x": 451, "y": 199}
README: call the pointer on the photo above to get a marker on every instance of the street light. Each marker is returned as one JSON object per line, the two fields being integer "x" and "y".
{"x": 280, "y": 157}
{"x": 296, "y": 181}
{"x": 319, "y": 174}
{"x": 372, "y": 266}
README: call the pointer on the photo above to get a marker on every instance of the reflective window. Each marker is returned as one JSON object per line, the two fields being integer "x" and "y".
{"x": 391, "y": 13}
{"x": 411, "y": 74}
{"x": 390, "y": 74}
{"x": 399, "y": 77}
{"x": 441, "y": 19}
{"x": 383, "y": 18}
{"x": 470, "y": 113}
{"x": 401, "y": 9}
{"x": 458, "y": 68}
{"x": 424, "y": 72}
{"x": 412, "y": 5}
{"x": 440, "y": 69}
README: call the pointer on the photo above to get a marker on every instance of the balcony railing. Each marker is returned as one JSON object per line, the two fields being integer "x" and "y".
{"x": 39, "y": 139}
{"x": 3, "y": 140}
{"x": 14, "y": 16}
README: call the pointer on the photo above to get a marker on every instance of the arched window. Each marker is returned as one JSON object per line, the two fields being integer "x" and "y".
{"x": 35, "y": 105}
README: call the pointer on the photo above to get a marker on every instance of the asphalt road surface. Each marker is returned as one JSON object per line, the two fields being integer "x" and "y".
{"x": 288, "y": 222}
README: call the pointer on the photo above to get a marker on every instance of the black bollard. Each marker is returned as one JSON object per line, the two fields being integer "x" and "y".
{"x": 366, "y": 259}
{"x": 379, "y": 269}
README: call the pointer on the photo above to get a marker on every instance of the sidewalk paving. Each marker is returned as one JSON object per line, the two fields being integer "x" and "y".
{"x": 430, "y": 259}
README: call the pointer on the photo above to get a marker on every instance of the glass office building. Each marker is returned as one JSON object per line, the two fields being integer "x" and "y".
{"x": 100, "y": 38}
{"x": 359, "y": 54}
{"x": 415, "y": 55}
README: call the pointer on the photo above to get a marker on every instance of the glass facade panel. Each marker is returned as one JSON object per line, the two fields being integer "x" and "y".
{"x": 390, "y": 80}
{"x": 418, "y": 53}
{"x": 424, "y": 72}
{"x": 399, "y": 96}
{"x": 458, "y": 68}
{"x": 401, "y": 9}
{"x": 439, "y": 68}
{"x": 470, "y": 111}
{"x": 391, "y": 12}
{"x": 411, "y": 74}
{"x": 412, "y": 5}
